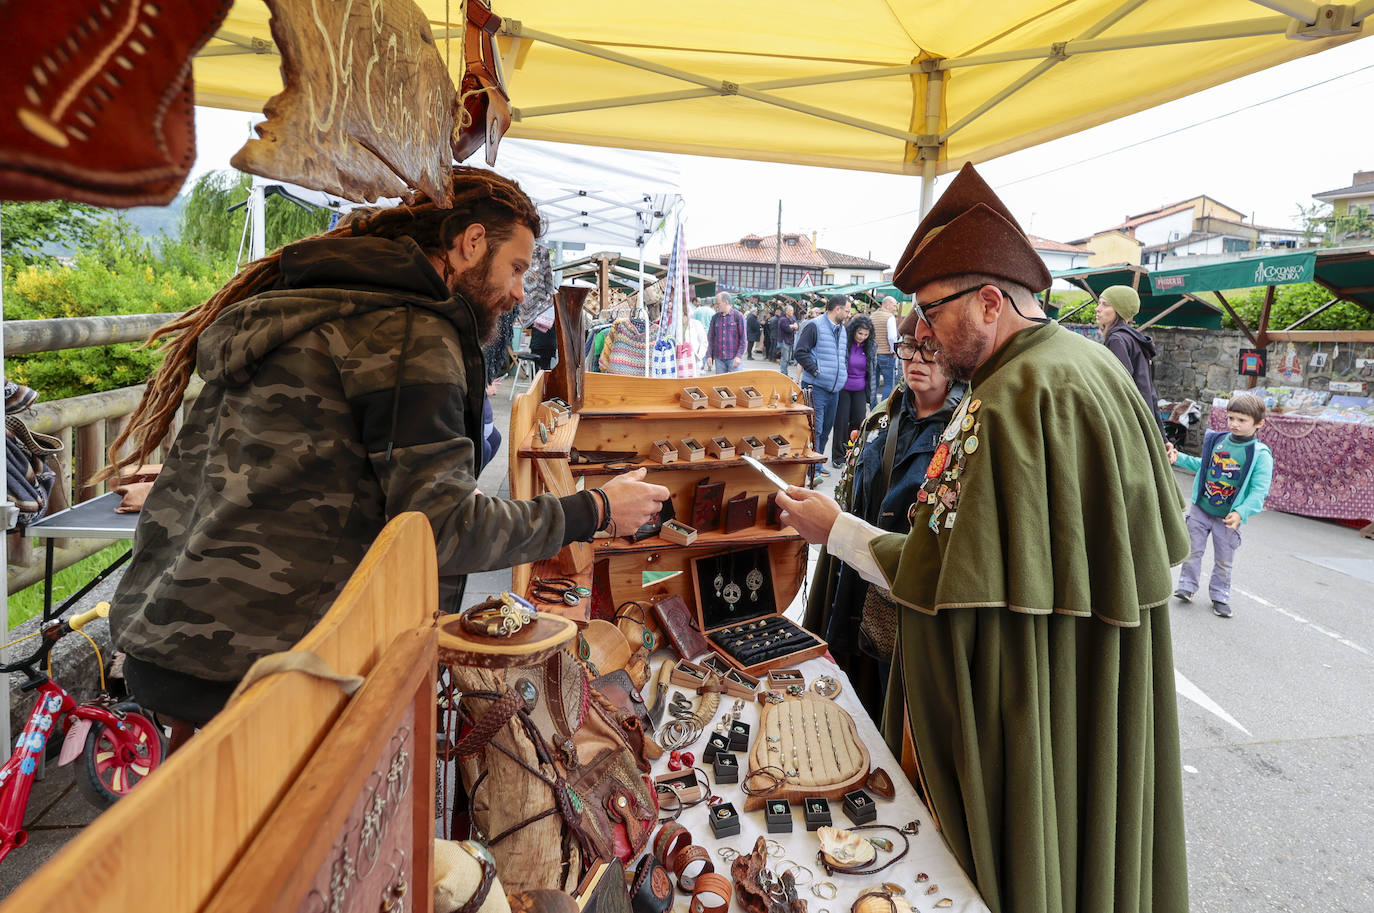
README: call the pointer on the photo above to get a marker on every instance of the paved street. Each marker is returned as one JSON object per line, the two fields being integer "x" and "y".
{"x": 1276, "y": 708}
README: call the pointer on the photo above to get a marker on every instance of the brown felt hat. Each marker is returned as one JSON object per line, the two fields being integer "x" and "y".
{"x": 969, "y": 230}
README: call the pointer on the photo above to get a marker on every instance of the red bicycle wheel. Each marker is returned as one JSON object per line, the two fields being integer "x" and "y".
{"x": 111, "y": 766}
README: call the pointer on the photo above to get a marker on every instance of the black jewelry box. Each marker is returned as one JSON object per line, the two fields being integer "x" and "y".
{"x": 718, "y": 742}
{"x": 751, "y": 633}
{"x": 726, "y": 767}
{"x": 724, "y": 820}
{"x": 778, "y": 814}
{"x": 816, "y": 811}
{"x": 859, "y": 807}
{"x": 739, "y": 736}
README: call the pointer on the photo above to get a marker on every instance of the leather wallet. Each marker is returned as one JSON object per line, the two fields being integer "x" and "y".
{"x": 652, "y": 889}
{"x": 617, "y": 688}
{"x": 679, "y": 623}
{"x": 665, "y": 512}
{"x": 741, "y": 512}
{"x": 706, "y": 505}
{"x": 603, "y": 889}
{"x": 772, "y": 514}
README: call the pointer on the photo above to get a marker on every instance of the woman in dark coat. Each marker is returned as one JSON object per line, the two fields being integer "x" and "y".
{"x": 880, "y": 488}
{"x": 860, "y": 387}
{"x": 1116, "y": 308}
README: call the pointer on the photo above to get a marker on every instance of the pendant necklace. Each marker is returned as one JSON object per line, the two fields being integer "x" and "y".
{"x": 754, "y": 580}
{"x": 720, "y": 576}
{"x": 732, "y": 592}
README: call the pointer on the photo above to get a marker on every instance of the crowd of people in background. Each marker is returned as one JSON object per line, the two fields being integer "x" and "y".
{"x": 841, "y": 351}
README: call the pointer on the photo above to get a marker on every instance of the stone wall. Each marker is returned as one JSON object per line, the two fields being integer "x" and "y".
{"x": 1201, "y": 364}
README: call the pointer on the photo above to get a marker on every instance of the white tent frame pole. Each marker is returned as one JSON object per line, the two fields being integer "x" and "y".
{"x": 514, "y": 28}
{"x": 1363, "y": 10}
{"x": 1040, "y": 69}
{"x": 1305, "y": 10}
{"x": 934, "y": 103}
{"x": 1249, "y": 28}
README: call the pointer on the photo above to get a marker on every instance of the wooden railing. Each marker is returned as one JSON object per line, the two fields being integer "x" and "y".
{"x": 84, "y": 424}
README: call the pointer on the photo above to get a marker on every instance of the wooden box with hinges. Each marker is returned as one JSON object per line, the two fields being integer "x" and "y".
{"x": 739, "y": 612}
{"x": 736, "y": 682}
{"x": 553, "y": 413}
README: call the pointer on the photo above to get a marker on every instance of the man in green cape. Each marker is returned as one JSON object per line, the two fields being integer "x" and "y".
{"x": 1034, "y": 665}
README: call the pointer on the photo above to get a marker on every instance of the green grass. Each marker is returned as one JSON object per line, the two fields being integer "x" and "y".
{"x": 28, "y": 602}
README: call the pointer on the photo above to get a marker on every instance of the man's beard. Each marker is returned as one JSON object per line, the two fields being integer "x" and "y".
{"x": 963, "y": 353}
{"x": 488, "y": 298}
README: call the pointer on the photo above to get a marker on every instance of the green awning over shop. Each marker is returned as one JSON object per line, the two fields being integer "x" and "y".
{"x": 1173, "y": 309}
{"x": 1252, "y": 272}
{"x": 795, "y": 291}
{"x": 1348, "y": 273}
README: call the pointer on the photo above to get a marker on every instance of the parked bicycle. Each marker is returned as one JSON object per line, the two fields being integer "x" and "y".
{"x": 117, "y": 742}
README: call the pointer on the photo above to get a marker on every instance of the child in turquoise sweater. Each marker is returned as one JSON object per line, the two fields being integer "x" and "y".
{"x": 1233, "y": 476}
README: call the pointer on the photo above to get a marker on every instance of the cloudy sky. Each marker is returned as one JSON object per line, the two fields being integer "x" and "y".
{"x": 1262, "y": 145}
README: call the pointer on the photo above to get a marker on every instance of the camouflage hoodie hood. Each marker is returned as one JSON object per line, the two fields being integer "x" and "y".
{"x": 323, "y": 280}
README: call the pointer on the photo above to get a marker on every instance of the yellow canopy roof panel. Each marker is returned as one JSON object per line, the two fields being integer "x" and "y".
{"x": 879, "y": 86}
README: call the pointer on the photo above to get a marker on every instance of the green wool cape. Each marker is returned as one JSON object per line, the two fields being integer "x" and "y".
{"x": 1036, "y": 678}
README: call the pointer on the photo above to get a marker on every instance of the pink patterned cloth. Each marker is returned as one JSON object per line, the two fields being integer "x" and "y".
{"x": 1321, "y": 469}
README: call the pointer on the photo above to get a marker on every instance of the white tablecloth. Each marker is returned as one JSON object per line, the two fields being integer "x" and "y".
{"x": 928, "y": 851}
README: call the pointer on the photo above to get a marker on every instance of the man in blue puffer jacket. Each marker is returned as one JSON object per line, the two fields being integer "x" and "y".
{"x": 821, "y": 350}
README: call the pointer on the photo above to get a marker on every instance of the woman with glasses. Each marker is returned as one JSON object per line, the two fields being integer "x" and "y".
{"x": 898, "y": 438}
{"x": 860, "y": 386}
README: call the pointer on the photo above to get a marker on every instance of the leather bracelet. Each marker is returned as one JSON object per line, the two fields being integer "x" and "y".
{"x": 686, "y": 857}
{"x": 605, "y": 500}
{"x": 710, "y": 884}
{"x": 670, "y": 840}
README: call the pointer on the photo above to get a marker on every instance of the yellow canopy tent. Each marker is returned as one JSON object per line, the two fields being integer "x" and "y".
{"x": 906, "y": 86}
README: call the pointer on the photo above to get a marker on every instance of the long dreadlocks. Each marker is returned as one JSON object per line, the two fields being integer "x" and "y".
{"x": 479, "y": 196}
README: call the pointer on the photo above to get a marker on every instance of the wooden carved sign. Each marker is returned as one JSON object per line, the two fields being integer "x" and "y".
{"x": 368, "y": 110}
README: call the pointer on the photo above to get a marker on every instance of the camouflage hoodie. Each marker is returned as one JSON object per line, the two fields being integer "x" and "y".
{"x": 349, "y": 393}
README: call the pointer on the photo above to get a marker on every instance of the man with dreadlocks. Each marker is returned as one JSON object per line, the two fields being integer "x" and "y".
{"x": 344, "y": 383}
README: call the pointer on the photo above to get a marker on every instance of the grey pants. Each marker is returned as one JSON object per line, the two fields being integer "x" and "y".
{"x": 1224, "y": 544}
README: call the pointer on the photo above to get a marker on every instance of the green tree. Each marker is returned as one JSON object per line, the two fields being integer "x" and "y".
{"x": 25, "y": 228}
{"x": 1324, "y": 226}
{"x": 208, "y": 223}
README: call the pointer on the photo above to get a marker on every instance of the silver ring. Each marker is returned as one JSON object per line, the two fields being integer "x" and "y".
{"x": 834, "y": 891}
{"x": 728, "y": 853}
{"x": 774, "y": 845}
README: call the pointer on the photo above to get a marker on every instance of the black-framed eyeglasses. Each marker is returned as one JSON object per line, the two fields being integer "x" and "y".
{"x": 927, "y": 350}
{"x": 923, "y": 310}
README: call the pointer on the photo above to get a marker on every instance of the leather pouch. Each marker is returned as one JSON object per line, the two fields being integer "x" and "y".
{"x": 706, "y": 505}
{"x": 679, "y": 623}
{"x": 617, "y": 688}
{"x": 772, "y": 515}
{"x": 651, "y": 891}
{"x": 665, "y": 512}
{"x": 741, "y": 512}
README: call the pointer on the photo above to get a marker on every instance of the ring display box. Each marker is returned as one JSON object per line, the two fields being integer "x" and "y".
{"x": 817, "y": 813}
{"x": 722, "y": 397}
{"x": 724, "y": 820}
{"x": 749, "y": 445}
{"x": 553, "y": 412}
{"x": 736, "y": 683}
{"x": 678, "y": 533}
{"x": 721, "y": 448}
{"x": 718, "y": 743}
{"x": 683, "y": 783}
{"x": 663, "y": 453}
{"x": 726, "y": 767}
{"x": 692, "y": 398}
{"x": 859, "y": 807}
{"x": 692, "y": 451}
{"x": 738, "y": 611}
{"x": 750, "y": 397}
{"x": 782, "y": 678}
{"x": 775, "y": 445}
{"x": 778, "y": 814}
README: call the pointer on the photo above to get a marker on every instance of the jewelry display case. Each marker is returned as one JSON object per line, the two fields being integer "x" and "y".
{"x": 619, "y": 414}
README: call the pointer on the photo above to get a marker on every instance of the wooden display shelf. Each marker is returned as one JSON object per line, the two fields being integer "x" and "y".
{"x": 560, "y": 441}
{"x": 673, "y": 410}
{"x": 715, "y": 539}
{"x": 709, "y": 463}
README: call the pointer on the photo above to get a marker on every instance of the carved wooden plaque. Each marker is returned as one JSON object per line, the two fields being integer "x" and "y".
{"x": 368, "y": 110}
